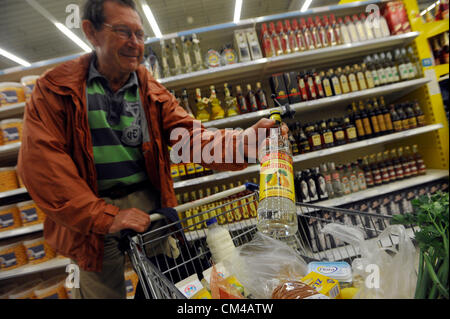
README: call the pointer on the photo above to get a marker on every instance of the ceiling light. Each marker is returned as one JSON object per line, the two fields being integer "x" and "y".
{"x": 306, "y": 5}
{"x": 73, "y": 37}
{"x": 151, "y": 19}
{"x": 237, "y": 11}
{"x": 14, "y": 58}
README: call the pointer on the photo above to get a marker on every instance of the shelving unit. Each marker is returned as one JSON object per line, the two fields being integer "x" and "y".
{"x": 54, "y": 263}
{"x": 10, "y": 111}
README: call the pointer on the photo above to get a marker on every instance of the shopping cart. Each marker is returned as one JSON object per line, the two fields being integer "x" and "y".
{"x": 189, "y": 254}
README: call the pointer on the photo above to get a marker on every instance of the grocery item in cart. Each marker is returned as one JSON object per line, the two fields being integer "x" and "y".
{"x": 9, "y": 217}
{"x": 339, "y": 270}
{"x": 190, "y": 286}
{"x": 323, "y": 284}
{"x": 296, "y": 290}
{"x": 11, "y": 93}
{"x": 219, "y": 241}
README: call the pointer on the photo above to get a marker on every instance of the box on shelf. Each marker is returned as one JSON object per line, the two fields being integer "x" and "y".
{"x": 30, "y": 213}
{"x": 397, "y": 17}
{"x": 11, "y": 93}
{"x": 279, "y": 88}
{"x": 28, "y": 83}
{"x": 12, "y": 256}
{"x": 241, "y": 45}
{"x": 290, "y": 80}
{"x": 8, "y": 179}
{"x": 38, "y": 251}
{"x": 9, "y": 217}
{"x": 11, "y": 131}
{"x": 253, "y": 44}
{"x": 53, "y": 288}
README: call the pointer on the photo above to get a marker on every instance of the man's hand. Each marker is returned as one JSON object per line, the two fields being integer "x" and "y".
{"x": 255, "y": 135}
{"x": 131, "y": 218}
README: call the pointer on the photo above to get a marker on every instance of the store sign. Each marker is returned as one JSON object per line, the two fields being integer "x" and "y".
{"x": 427, "y": 62}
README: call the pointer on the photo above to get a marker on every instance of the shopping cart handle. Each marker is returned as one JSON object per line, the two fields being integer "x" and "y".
{"x": 251, "y": 187}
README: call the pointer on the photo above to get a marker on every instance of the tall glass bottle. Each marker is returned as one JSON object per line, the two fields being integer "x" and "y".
{"x": 328, "y": 181}
{"x": 343, "y": 80}
{"x": 335, "y": 179}
{"x": 421, "y": 168}
{"x": 176, "y": 59}
{"x": 185, "y": 100}
{"x": 251, "y": 99}
{"x": 202, "y": 112}
{"x": 419, "y": 114}
{"x": 389, "y": 165}
{"x": 165, "y": 59}
{"x": 186, "y": 48}
{"x": 231, "y": 107}
{"x": 387, "y": 116}
{"x": 217, "y": 111}
{"x": 198, "y": 60}
{"x": 242, "y": 102}
{"x": 277, "y": 214}
{"x": 397, "y": 165}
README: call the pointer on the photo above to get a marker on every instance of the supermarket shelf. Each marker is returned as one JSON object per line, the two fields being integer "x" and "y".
{"x": 270, "y": 65}
{"x": 30, "y": 269}
{"x": 9, "y": 152}
{"x": 395, "y": 90}
{"x": 430, "y": 176}
{"x": 21, "y": 231}
{"x": 312, "y": 155}
{"x": 9, "y": 111}
{"x": 434, "y": 28}
{"x": 14, "y": 192}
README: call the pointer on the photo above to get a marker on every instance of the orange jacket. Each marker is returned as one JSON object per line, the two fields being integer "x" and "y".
{"x": 56, "y": 160}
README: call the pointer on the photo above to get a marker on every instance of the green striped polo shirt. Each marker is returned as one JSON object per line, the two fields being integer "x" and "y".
{"x": 115, "y": 123}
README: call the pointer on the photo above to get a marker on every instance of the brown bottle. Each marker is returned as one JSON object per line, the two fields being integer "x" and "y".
{"x": 396, "y": 120}
{"x": 404, "y": 161}
{"x": 358, "y": 122}
{"x": 373, "y": 119}
{"x": 389, "y": 165}
{"x": 380, "y": 117}
{"x": 338, "y": 132}
{"x": 421, "y": 168}
{"x": 377, "y": 179}
{"x": 350, "y": 130}
{"x": 327, "y": 135}
{"x": 365, "y": 120}
{"x": 411, "y": 161}
{"x": 364, "y": 165}
{"x": 385, "y": 179}
{"x": 412, "y": 120}
{"x": 386, "y": 115}
{"x": 419, "y": 114}
{"x": 302, "y": 140}
{"x": 314, "y": 137}
{"x": 242, "y": 102}
{"x": 401, "y": 113}
{"x": 397, "y": 165}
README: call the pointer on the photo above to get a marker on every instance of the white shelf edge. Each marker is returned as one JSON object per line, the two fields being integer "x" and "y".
{"x": 13, "y": 192}
{"x": 21, "y": 231}
{"x": 312, "y": 155}
{"x": 30, "y": 269}
{"x": 8, "y": 148}
{"x": 310, "y": 105}
{"x": 6, "y": 110}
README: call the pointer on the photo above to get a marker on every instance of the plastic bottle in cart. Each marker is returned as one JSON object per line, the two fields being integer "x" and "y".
{"x": 277, "y": 216}
{"x": 219, "y": 241}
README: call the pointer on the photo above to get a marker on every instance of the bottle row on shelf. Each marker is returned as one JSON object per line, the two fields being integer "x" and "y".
{"x": 440, "y": 12}
{"x": 331, "y": 180}
{"x": 370, "y": 120}
{"x": 399, "y": 202}
{"x": 440, "y": 48}
{"x": 278, "y": 38}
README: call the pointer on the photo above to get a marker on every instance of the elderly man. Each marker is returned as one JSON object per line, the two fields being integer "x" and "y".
{"x": 94, "y": 154}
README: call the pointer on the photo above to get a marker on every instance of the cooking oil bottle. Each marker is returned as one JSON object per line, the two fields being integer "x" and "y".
{"x": 277, "y": 215}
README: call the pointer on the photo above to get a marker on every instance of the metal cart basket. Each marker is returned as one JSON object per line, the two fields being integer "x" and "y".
{"x": 164, "y": 256}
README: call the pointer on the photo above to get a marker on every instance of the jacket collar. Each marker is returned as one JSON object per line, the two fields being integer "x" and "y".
{"x": 70, "y": 78}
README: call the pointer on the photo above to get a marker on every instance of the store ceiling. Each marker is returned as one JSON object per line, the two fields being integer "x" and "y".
{"x": 31, "y": 36}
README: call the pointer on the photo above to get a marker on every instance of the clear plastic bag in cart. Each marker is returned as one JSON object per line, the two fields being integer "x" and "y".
{"x": 387, "y": 266}
{"x": 263, "y": 263}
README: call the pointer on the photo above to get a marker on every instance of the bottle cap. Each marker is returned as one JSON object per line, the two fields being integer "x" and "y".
{"x": 211, "y": 221}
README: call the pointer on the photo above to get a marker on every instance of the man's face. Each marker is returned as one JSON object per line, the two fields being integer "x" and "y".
{"x": 114, "y": 51}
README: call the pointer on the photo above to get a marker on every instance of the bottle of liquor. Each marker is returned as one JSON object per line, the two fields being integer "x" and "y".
{"x": 315, "y": 33}
{"x": 186, "y": 49}
{"x": 367, "y": 26}
{"x": 387, "y": 116}
{"x": 351, "y": 30}
{"x": 251, "y": 99}
{"x": 302, "y": 86}
{"x": 328, "y": 181}
{"x": 344, "y": 33}
{"x": 396, "y": 120}
{"x": 292, "y": 39}
{"x": 380, "y": 117}
{"x": 310, "y": 86}
{"x": 359, "y": 28}
{"x": 165, "y": 59}
{"x": 338, "y": 132}
{"x": 242, "y": 102}
{"x": 365, "y": 120}
{"x": 336, "y": 180}
{"x": 309, "y": 41}
{"x": 412, "y": 120}
{"x": 350, "y": 130}
{"x": 313, "y": 192}
{"x": 376, "y": 173}
{"x": 301, "y": 188}
{"x": 276, "y": 40}
{"x": 321, "y": 185}
{"x": 345, "y": 179}
{"x": 318, "y": 85}
{"x": 372, "y": 68}
{"x": 364, "y": 165}
{"x": 185, "y": 100}
{"x": 385, "y": 178}
{"x": 343, "y": 80}
{"x": 382, "y": 78}
{"x": 416, "y": 62}
{"x": 327, "y": 88}
{"x": 202, "y": 112}
{"x": 353, "y": 177}
{"x": 399, "y": 174}
{"x": 322, "y": 32}
{"x": 402, "y": 114}
{"x": 361, "y": 180}
{"x": 410, "y": 65}
{"x": 393, "y": 66}
{"x": 421, "y": 168}
{"x": 261, "y": 97}
{"x": 358, "y": 122}
{"x": 329, "y": 32}
{"x": 198, "y": 61}
{"x": 368, "y": 76}
{"x": 387, "y": 68}
{"x": 373, "y": 119}
{"x": 314, "y": 137}
{"x": 231, "y": 107}
{"x": 327, "y": 135}
{"x": 176, "y": 59}
{"x": 404, "y": 161}
{"x": 411, "y": 162}
{"x": 302, "y": 139}
{"x": 352, "y": 78}
{"x": 295, "y": 149}
{"x": 336, "y": 85}
{"x": 217, "y": 111}
{"x": 402, "y": 66}
{"x": 420, "y": 117}
{"x": 360, "y": 76}
{"x": 284, "y": 38}
{"x": 277, "y": 215}
{"x": 389, "y": 165}
{"x": 266, "y": 42}
{"x": 335, "y": 29}
{"x": 300, "y": 39}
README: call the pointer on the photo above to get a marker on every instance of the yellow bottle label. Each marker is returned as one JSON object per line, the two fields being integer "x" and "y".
{"x": 361, "y": 81}
{"x": 398, "y": 126}
{"x": 353, "y": 83}
{"x": 344, "y": 84}
{"x": 336, "y": 86}
{"x": 198, "y": 168}
{"x": 276, "y": 176}
{"x": 181, "y": 169}
{"x": 388, "y": 121}
{"x": 190, "y": 168}
{"x": 351, "y": 133}
{"x": 369, "y": 79}
{"x": 360, "y": 127}
{"x": 174, "y": 171}
{"x": 328, "y": 138}
{"x": 327, "y": 88}
{"x": 316, "y": 140}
